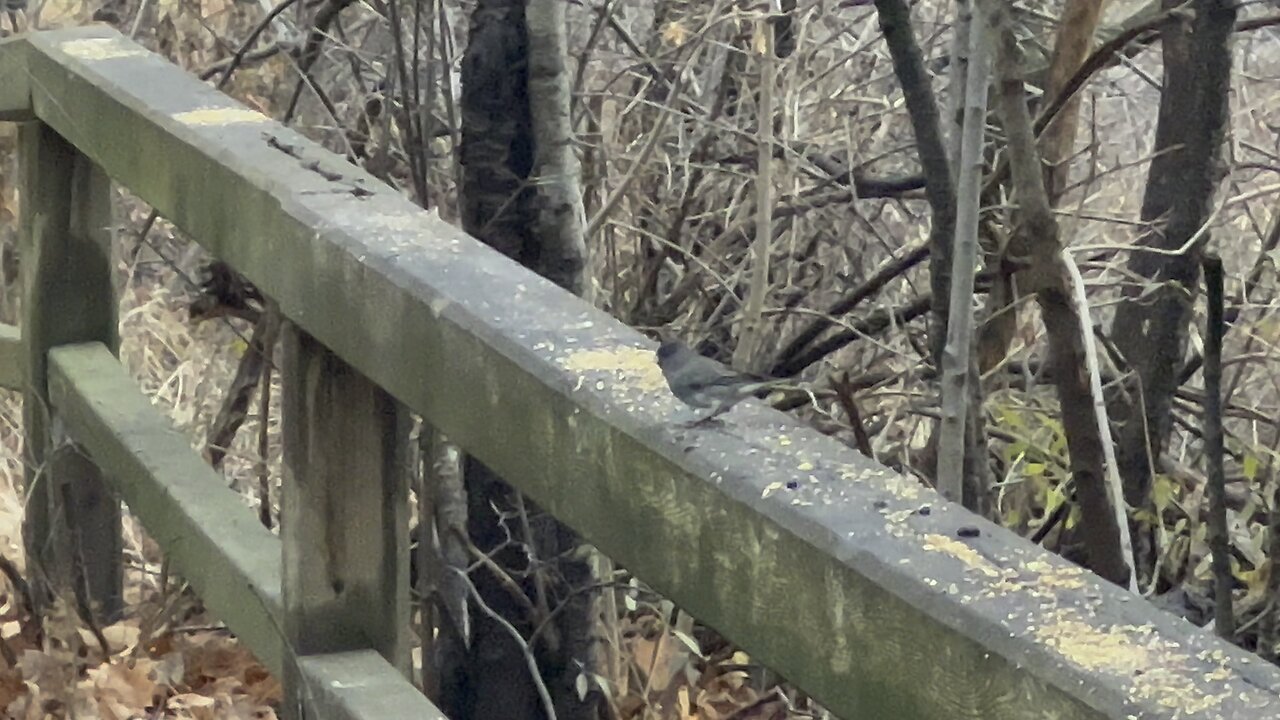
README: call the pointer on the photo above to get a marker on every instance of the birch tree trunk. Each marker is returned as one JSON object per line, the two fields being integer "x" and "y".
{"x": 957, "y": 357}
{"x": 556, "y": 171}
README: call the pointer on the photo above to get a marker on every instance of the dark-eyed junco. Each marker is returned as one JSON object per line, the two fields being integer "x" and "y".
{"x": 704, "y": 383}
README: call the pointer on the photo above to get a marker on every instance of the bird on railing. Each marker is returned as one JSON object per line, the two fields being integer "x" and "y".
{"x": 704, "y": 383}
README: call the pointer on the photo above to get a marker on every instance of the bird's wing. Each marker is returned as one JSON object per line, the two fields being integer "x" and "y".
{"x": 723, "y": 376}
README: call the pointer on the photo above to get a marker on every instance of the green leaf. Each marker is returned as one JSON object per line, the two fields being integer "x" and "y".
{"x": 1163, "y": 492}
{"x": 1053, "y": 498}
{"x": 1251, "y": 466}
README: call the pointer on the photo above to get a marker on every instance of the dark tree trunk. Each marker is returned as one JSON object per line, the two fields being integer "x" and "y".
{"x": 917, "y": 90}
{"x": 1151, "y": 324}
{"x": 497, "y": 135}
{"x": 533, "y": 570}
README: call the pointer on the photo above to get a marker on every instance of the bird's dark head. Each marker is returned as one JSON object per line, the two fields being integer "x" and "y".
{"x": 668, "y": 350}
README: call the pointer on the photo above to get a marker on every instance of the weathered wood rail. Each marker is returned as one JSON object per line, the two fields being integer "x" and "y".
{"x": 871, "y": 593}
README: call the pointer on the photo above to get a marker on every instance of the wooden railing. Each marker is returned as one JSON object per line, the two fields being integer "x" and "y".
{"x": 863, "y": 588}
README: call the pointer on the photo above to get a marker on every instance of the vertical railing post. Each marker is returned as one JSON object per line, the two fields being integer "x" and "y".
{"x": 72, "y": 524}
{"x": 344, "y": 511}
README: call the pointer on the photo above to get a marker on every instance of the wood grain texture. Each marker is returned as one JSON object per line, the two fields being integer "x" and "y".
{"x": 344, "y": 510}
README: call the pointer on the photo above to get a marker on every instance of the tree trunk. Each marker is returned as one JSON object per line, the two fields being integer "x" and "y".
{"x": 1151, "y": 324}
{"x": 1038, "y": 244}
{"x": 908, "y": 65}
{"x": 521, "y": 195}
{"x": 561, "y": 218}
{"x": 1071, "y": 46}
{"x": 963, "y": 431}
{"x": 962, "y": 450}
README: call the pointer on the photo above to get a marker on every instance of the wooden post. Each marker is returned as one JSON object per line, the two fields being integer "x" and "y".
{"x": 72, "y": 524}
{"x": 344, "y": 512}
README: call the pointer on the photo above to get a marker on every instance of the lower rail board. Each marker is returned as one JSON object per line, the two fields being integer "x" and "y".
{"x": 360, "y": 685}
{"x": 211, "y": 538}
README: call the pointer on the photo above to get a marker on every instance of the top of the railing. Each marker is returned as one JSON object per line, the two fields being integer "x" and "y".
{"x": 871, "y": 593}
